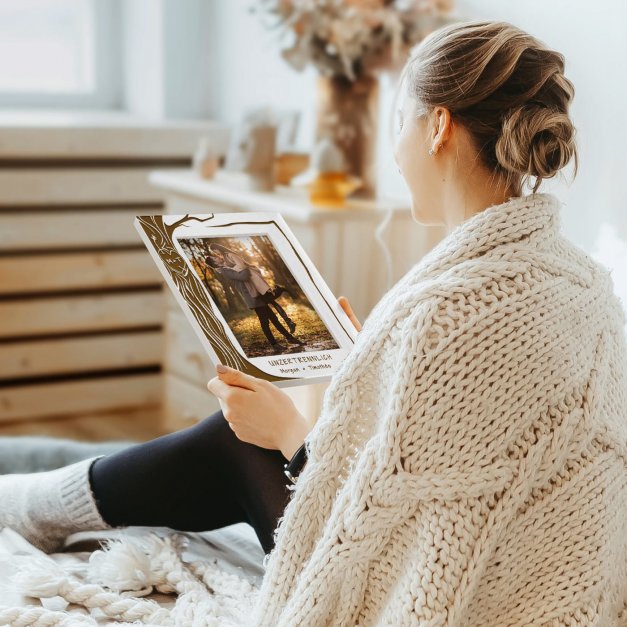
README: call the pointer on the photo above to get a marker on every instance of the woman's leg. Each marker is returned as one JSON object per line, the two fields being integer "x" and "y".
{"x": 279, "y": 289}
{"x": 196, "y": 479}
{"x": 275, "y": 321}
{"x": 290, "y": 323}
{"x": 262, "y": 314}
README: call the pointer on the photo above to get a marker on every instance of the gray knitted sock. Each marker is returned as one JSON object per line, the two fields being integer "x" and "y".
{"x": 46, "y": 507}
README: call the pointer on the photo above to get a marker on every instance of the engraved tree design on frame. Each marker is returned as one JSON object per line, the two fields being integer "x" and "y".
{"x": 161, "y": 234}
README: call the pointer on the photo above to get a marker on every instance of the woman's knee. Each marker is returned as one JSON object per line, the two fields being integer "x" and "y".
{"x": 212, "y": 432}
{"x": 213, "y": 422}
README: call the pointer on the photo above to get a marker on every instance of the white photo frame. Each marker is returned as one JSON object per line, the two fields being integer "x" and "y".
{"x": 224, "y": 270}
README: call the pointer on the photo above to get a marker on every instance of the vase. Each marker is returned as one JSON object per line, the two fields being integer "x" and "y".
{"x": 347, "y": 112}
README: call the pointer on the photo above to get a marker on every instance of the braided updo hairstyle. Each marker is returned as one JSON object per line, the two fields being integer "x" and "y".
{"x": 506, "y": 88}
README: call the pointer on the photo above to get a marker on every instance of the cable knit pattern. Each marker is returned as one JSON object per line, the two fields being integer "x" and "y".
{"x": 468, "y": 466}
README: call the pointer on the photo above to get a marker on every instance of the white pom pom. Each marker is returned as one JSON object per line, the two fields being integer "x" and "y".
{"x": 39, "y": 577}
{"x": 123, "y": 564}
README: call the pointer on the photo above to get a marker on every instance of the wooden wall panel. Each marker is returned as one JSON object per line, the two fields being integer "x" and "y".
{"x": 70, "y": 229}
{"x": 81, "y": 301}
{"x": 60, "y": 186}
{"x": 37, "y": 358}
{"x": 53, "y": 272}
{"x": 60, "y": 398}
{"x": 30, "y": 134}
{"x": 44, "y": 316}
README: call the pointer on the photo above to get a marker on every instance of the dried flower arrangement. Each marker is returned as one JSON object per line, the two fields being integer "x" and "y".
{"x": 352, "y": 38}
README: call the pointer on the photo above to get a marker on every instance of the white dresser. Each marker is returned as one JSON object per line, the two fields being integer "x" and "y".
{"x": 342, "y": 243}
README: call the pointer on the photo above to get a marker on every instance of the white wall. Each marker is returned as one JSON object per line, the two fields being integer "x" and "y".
{"x": 142, "y": 43}
{"x": 250, "y": 71}
{"x": 168, "y": 49}
{"x": 591, "y": 36}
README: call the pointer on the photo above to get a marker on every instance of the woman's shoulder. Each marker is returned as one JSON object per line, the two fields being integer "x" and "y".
{"x": 477, "y": 294}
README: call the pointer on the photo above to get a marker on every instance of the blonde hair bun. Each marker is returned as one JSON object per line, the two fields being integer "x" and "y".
{"x": 535, "y": 140}
{"x": 506, "y": 88}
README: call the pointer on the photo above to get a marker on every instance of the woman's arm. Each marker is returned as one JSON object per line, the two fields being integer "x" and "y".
{"x": 237, "y": 263}
{"x": 236, "y": 275}
{"x": 295, "y": 437}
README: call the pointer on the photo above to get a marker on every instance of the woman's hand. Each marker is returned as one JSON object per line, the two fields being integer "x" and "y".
{"x": 349, "y": 311}
{"x": 259, "y": 412}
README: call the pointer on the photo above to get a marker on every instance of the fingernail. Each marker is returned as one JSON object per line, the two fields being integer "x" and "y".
{"x": 221, "y": 368}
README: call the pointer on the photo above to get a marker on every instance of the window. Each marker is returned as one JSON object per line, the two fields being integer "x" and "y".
{"x": 59, "y": 52}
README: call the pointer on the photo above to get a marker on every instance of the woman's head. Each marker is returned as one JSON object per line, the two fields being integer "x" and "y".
{"x": 216, "y": 252}
{"x": 212, "y": 261}
{"x": 491, "y": 102}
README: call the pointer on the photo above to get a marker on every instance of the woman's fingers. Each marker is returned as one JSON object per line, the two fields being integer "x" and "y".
{"x": 349, "y": 312}
{"x": 219, "y": 388}
{"x": 230, "y": 390}
{"x": 234, "y": 377}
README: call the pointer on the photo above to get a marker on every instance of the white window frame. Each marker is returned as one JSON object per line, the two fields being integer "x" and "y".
{"x": 108, "y": 91}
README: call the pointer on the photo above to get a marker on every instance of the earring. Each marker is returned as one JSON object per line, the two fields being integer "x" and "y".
{"x": 430, "y": 151}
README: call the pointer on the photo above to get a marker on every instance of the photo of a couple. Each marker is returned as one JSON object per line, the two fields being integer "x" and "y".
{"x": 246, "y": 276}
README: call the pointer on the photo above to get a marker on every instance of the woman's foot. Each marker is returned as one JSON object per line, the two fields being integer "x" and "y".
{"x": 295, "y": 340}
{"x": 46, "y": 507}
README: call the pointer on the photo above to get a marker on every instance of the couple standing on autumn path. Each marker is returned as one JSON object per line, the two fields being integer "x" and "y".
{"x": 255, "y": 291}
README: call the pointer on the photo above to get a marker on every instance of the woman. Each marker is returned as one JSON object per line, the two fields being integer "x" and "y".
{"x": 248, "y": 282}
{"x": 468, "y": 465}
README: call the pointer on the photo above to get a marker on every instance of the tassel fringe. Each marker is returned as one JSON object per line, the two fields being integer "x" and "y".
{"x": 119, "y": 575}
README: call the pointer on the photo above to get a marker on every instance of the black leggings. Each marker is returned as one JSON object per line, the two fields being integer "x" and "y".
{"x": 196, "y": 479}
{"x": 266, "y": 315}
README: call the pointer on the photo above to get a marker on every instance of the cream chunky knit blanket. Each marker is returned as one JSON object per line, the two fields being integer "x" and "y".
{"x": 469, "y": 464}
{"x": 468, "y": 467}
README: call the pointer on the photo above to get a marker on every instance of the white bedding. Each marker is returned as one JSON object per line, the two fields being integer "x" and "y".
{"x": 236, "y": 549}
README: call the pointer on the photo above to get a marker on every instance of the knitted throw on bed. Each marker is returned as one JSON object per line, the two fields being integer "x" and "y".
{"x": 468, "y": 467}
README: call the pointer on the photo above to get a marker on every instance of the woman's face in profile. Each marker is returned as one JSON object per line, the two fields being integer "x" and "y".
{"x": 411, "y": 153}
{"x": 429, "y": 177}
{"x": 217, "y": 256}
